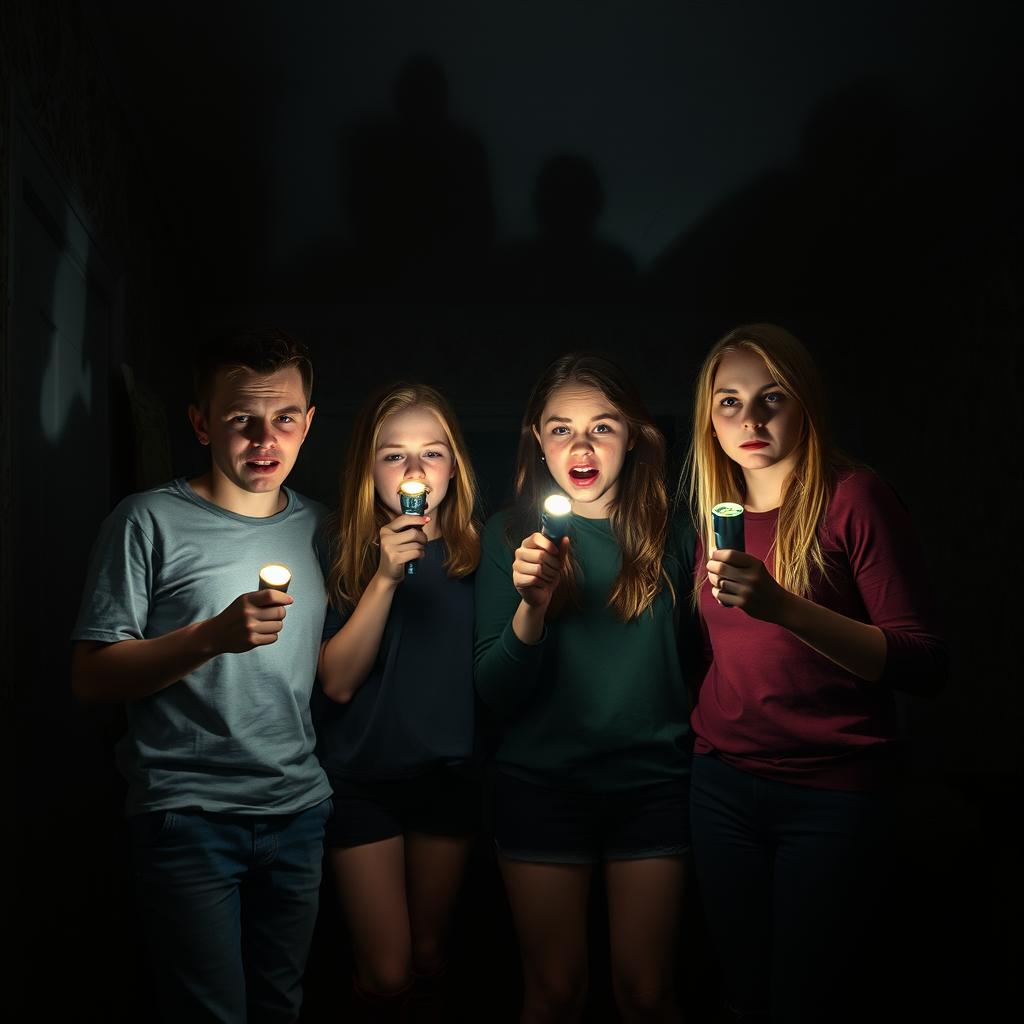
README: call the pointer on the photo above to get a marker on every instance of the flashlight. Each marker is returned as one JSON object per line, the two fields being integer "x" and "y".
{"x": 727, "y": 521}
{"x": 554, "y": 520}
{"x": 275, "y": 576}
{"x": 413, "y": 497}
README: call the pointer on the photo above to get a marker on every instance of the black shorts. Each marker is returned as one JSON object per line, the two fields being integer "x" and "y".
{"x": 538, "y": 823}
{"x": 444, "y": 801}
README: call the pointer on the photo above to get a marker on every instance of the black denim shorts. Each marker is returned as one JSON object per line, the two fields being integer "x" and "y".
{"x": 537, "y": 823}
{"x": 444, "y": 801}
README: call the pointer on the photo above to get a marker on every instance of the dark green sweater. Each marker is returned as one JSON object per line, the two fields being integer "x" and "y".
{"x": 598, "y": 704}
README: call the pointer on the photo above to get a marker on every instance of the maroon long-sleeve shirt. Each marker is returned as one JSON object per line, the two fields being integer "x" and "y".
{"x": 771, "y": 705}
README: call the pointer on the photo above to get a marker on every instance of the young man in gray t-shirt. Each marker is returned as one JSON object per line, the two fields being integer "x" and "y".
{"x": 226, "y": 799}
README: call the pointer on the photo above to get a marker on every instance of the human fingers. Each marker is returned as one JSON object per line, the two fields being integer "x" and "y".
{"x": 537, "y": 556}
{"x": 537, "y": 541}
{"x": 404, "y": 522}
{"x": 534, "y": 573}
{"x": 267, "y": 598}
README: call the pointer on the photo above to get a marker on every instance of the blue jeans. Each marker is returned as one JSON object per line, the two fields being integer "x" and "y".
{"x": 785, "y": 876}
{"x": 228, "y": 903}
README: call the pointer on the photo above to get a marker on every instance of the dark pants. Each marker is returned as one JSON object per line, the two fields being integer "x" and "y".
{"x": 229, "y": 903}
{"x": 785, "y": 877}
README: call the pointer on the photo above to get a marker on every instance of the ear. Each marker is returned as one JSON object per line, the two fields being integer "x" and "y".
{"x": 200, "y": 424}
{"x": 536, "y": 434}
{"x": 309, "y": 421}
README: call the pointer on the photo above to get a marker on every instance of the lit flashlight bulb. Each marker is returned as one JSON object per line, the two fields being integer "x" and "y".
{"x": 554, "y": 520}
{"x": 727, "y": 523}
{"x": 275, "y": 576}
{"x": 412, "y": 494}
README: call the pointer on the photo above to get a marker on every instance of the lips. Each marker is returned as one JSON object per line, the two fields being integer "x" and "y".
{"x": 583, "y": 476}
{"x": 753, "y": 445}
{"x": 262, "y": 466}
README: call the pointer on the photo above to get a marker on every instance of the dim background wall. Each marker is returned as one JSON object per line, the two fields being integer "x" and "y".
{"x": 853, "y": 174}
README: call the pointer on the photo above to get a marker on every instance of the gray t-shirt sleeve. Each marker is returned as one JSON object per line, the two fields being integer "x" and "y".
{"x": 333, "y": 621}
{"x": 119, "y": 584}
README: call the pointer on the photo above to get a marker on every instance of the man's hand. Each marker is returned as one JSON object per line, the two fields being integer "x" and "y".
{"x": 251, "y": 620}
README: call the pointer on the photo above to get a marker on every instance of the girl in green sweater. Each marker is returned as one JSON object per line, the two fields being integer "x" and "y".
{"x": 577, "y": 658}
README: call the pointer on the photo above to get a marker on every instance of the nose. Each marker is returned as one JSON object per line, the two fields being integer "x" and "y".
{"x": 414, "y": 469}
{"x": 263, "y": 434}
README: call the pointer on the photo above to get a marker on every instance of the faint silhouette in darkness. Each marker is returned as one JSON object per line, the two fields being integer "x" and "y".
{"x": 568, "y": 262}
{"x": 419, "y": 194}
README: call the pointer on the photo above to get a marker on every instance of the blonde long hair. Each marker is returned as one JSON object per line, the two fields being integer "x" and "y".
{"x": 639, "y": 514}
{"x": 354, "y": 530}
{"x": 713, "y": 477}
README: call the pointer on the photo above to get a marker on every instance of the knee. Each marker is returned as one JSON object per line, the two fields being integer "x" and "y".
{"x": 643, "y": 998}
{"x": 555, "y": 997}
{"x": 385, "y": 977}
{"x": 427, "y": 957}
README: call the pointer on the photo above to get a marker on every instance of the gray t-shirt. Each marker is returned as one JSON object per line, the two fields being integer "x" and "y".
{"x": 234, "y": 736}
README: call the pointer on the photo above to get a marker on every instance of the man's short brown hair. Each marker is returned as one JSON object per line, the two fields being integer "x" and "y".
{"x": 262, "y": 350}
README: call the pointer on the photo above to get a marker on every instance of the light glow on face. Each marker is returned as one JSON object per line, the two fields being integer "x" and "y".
{"x": 557, "y": 505}
{"x": 750, "y": 408}
{"x": 255, "y": 426}
{"x": 584, "y": 440}
{"x": 413, "y": 448}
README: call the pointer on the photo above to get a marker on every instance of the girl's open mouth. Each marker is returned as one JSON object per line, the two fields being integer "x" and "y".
{"x": 583, "y": 476}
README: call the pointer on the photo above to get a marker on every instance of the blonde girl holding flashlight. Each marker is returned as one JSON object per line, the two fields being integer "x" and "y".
{"x": 577, "y": 660}
{"x": 395, "y": 719}
{"x": 809, "y": 630}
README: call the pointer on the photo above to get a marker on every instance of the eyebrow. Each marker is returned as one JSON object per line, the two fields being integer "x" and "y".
{"x": 600, "y": 416}
{"x": 733, "y": 391}
{"x": 246, "y": 410}
{"x": 429, "y": 444}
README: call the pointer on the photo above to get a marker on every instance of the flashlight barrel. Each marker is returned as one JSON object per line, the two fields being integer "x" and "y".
{"x": 553, "y": 527}
{"x": 728, "y": 529}
{"x": 412, "y": 505}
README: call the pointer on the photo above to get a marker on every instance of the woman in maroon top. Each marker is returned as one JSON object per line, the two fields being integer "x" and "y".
{"x": 809, "y": 631}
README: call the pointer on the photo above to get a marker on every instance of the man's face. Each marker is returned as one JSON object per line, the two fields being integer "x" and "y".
{"x": 255, "y": 426}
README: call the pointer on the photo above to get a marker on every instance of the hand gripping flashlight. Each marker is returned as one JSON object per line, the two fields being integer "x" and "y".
{"x": 554, "y": 519}
{"x": 727, "y": 522}
{"x": 413, "y": 496}
{"x": 275, "y": 576}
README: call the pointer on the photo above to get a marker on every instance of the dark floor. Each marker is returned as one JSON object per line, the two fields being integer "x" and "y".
{"x": 946, "y": 949}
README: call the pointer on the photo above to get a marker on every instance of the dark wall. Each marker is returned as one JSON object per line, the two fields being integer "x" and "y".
{"x": 864, "y": 192}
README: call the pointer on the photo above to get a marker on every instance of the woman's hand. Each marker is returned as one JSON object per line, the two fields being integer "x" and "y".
{"x": 739, "y": 580}
{"x": 402, "y": 540}
{"x": 537, "y": 568}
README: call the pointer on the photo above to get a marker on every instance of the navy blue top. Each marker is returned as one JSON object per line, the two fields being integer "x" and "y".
{"x": 415, "y": 708}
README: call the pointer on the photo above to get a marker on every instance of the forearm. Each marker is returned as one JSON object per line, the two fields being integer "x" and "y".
{"x": 858, "y": 647}
{"x": 130, "y": 669}
{"x": 346, "y": 659}
{"x": 528, "y": 623}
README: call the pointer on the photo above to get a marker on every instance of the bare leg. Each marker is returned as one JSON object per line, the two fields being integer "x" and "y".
{"x": 371, "y": 884}
{"x": 549, "y": 908}
{"x": 644, "y": 903}
{"x": 434, "y": 866}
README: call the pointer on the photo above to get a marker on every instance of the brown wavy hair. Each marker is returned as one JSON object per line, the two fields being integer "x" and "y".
{"x": 354, "y": 530}
{"x": 639, "y": 513}
{"x": 711, "y": 476}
